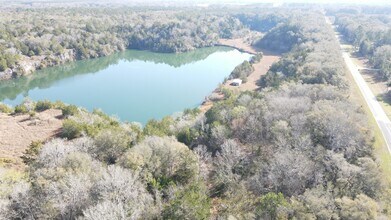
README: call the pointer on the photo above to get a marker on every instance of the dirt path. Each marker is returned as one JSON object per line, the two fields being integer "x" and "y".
{"x": 260, "y": 68}
{"x": 17, "y": 133}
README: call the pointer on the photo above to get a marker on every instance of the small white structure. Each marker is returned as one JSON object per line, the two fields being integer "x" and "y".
{"x": 236, "y": 82}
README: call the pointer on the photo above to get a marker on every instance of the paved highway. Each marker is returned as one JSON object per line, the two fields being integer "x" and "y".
{"x": 380, "y": 116}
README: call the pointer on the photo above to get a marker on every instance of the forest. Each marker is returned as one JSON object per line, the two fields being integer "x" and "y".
{"x": 28, "y": 42}
{"x": 370, "y": 33}
{"x": 297, "y": 149}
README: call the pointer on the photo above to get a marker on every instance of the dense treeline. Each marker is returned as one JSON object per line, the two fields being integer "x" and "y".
{"x": 291, "y": 141}
{"x": 284, "y": 152}
{"x": 354, "y": 10}
{"x": 263, "y": 21}
{"x": 295, "y": 150}
{"x": 37, "y": 38}
{"x": 286, "y": 33}
{"x": 371, "y": 35}
{"x": 313, "y": 56}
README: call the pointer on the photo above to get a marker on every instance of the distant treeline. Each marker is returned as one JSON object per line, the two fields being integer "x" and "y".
{"x": 371, "y": 35}
{"x": 31, "y": 39}
{"x": 312, "y": 54}
{"x": 36, "y": 38}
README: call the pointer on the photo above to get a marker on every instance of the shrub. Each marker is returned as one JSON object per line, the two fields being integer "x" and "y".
{"x": 227, "y": 93}
{"x": 270, "y": 206}
{"x": 362, "y": 207}
{"x": 192, "y": 112}
{"x": 4, "y": 162}
{"x": 69, "y": 110}
{"x": 8, "y": 179}
{"x": 256, "y": 58}
{"x": 190, "y": 202}
{"x": 158, "y": 128}
{"x": 43, "y": 105}
{"x": 32, "y": 114}
{"x": 108, "y": 119}
{"x": 3, "y": 65}
{"x": 31, "y": 153}
{"x": 187, "y": 136}
{"x": 125, "y": 191}
{"x": 71, "y": 129}
{"x": 242, "y": 71}
{"x": 164, "y": 159}
{"x": 21, "y": 109}
{"x": 215, "y": 97}
{"x": 111, "y": 144}
{"x": 5, "y": 108}
{"x": 59, "y": 105}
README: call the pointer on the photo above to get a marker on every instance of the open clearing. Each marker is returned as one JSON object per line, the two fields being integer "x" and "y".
{"x": 17, "y": 133}
{"x": 260, "y": 68}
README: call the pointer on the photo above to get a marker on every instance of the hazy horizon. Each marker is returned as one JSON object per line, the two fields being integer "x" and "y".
{"x": 181, "y": 2}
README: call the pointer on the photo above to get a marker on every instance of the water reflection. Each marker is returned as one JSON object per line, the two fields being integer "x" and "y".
{"x": 46, "y": 78}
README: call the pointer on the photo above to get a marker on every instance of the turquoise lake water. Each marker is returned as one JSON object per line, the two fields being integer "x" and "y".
{"x": 132, "y": 85}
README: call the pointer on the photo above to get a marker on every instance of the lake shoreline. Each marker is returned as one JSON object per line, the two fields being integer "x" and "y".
{"x": 260, "y": 69}
{"x": 53, "y": 123}
{"x": 30, "y": 65}
{"x": 243, "y": 50}
{"x": 189, "y": 78}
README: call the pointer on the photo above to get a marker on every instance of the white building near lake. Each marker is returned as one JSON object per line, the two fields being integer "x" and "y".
{"x": 236, "y": 82}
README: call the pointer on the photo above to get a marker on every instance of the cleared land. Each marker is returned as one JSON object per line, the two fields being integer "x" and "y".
{"x": 260, "y": 68}
{"x": 17, "y": 133}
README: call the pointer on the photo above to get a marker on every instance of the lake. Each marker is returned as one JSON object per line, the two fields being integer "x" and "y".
{"x": 133, "y": 85}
